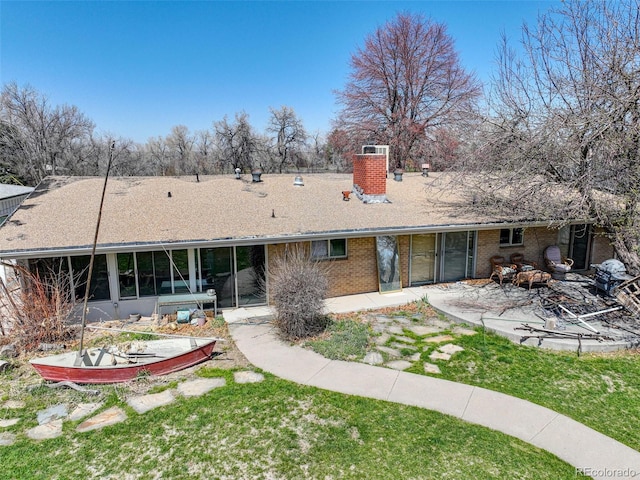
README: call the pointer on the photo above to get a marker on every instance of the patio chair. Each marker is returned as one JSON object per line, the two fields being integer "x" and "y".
{"x": 556, "y": 263}
{"x": 521, "y": 263}
{"x": 500, "y": 270}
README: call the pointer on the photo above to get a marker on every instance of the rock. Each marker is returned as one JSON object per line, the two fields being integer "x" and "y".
{"x": 4, "y": 366}
{"x": 403, "y": 346}
{"x": 13, "y": 404}
{"x": 373, "y": 358}
{"x": 46, "y": 431}
{"x": 439, "y": 339}
{"x": 431, "y": 368}
{"x": 9, "y": 351}
{"x": 200, "y": 386}
{"x": 439, "y": 356}
{"x": 382, "y": 339}
{"x": 436, "y": 322}
{"x": 401, "y": 320}
{"x": 54, "y": 412}
{"x": 422, "y": 330}
{"x": 7, "y": 438}
{"x": 463, "y": 331}
{"x": 450, "y": 348}
{"x": 392, "y": 352}
{"x": 144, "y": 403}
{"x": 395, "y": 329}
{"x": 83, "y": 409}
{"x": 110, "y": 416}
{"x": 399, "y": 364}
{"x": 415, "y": 357}
{"x": 8, "y": 422}
{"x": 383, "y": 319}
{"x": 248, "y": 376}
{"x": 404, "y": 339}
{"x": 377, "y": 328}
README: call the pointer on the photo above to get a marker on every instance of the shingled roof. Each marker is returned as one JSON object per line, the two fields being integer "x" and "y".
{"x": 60, "y": 215}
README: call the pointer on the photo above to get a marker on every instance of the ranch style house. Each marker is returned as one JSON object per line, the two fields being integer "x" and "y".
{"x": 175, "y": 237}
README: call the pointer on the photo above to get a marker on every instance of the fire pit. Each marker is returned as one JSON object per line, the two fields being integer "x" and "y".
{"x": 610, "y": 274}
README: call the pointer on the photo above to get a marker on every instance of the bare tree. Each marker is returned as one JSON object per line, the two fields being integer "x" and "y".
{"x": 181, "y": 144}
{"x": 406, "y": 81}
{"x": 236, "y": 141}
{"x": 565, "y": 117}
{"x": 204, "y": 154}
{"x": 339, "y": 149}
{"x": 37, "y": 139}
{"x": 159, "y": 154}
{"x": 317, "y": 154}
{"x": 289, "y": 136}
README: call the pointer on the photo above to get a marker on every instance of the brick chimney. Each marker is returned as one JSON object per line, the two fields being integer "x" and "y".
{"x": 370, "y": 177}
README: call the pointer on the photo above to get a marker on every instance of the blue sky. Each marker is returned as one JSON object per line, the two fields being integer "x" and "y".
{"x": 138, "y": 68}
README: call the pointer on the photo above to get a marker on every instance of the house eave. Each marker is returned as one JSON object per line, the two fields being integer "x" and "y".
{"x": 252, "y": 240}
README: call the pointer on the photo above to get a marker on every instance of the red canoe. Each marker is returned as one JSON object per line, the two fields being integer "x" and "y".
{"x": 98, "y": 365}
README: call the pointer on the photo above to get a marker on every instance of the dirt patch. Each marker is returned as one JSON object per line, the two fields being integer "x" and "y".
{"x": 21, "y": 378}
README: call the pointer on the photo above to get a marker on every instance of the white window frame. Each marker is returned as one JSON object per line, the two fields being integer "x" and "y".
{"x": 511, "y": 242}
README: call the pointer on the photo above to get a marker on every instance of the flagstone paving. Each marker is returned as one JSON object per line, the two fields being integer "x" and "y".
{"x": 9, "y": 422}
{"x": 83, "y": 410}
{"x": 248, "y": 376}
{"x": 431, "y": 368}
{"x": 45, "y": 431}
{"x": 111, "y": 416}
{"x": 439, "y": 339}
{"x": 7, "y": 438}
{"x": 51, "y": 420}
{"x": 144, "y": 403}
{"x": 200, "y": 386}
{"x": 399, "y": 341}
{"x": 399, "y": 364}
{"x": 450, "y": 348}
{"x": 52, "y": 413}
{"x": 439, "y": 356}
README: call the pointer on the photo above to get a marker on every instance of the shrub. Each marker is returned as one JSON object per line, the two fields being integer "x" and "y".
{"x": 298, "y": 286}
{"x": 38, "y": 307}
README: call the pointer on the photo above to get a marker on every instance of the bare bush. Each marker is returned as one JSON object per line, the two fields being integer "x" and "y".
{"x": 298, "y": 288}
{"x": 39, "y": 308}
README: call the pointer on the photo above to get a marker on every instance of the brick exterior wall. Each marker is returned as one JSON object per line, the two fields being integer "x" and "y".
{"x": 535, "y": 241}
{"x": 370, "y": 173}
{"x": 601, "y": 248}
{"x": 358, "y": 273}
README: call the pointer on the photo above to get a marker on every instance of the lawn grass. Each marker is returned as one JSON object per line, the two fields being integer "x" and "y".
{"x": 276, "y": 429}
{"x": 600, "y": 390}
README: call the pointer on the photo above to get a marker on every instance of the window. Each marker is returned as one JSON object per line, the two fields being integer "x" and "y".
{"x": 511, "y": 236}
{"x": 127, "y": 275}
{"x": 334, "y": 248}
{"x": 99, "y": 277}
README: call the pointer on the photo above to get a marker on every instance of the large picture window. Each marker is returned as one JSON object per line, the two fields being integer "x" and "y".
{"x": 333, "y": 248}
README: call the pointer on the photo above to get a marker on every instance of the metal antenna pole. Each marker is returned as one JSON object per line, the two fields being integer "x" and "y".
{"x": 92, "y": 258}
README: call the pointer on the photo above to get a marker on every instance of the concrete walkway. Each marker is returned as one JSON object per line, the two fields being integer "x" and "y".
{"x": 593, "y": 453}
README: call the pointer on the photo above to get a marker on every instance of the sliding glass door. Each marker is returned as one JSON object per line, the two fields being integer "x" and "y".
{"x": 457, "y": 259}
{"x": 423, "y": 259}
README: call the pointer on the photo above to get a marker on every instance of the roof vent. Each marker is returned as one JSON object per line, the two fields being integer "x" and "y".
{"x": 238, "y": 172}
{"x": 256, "y": 174}
{"x": 297, "y": 182}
